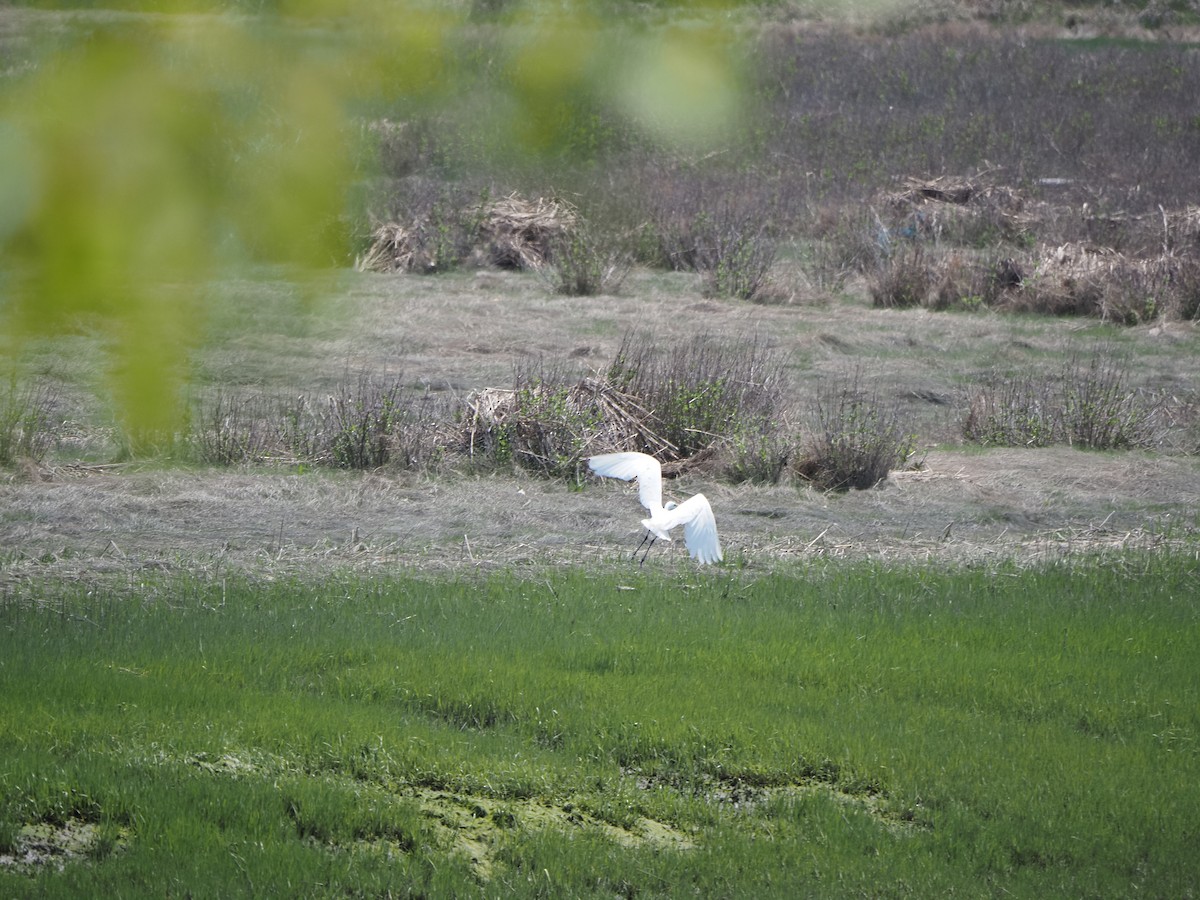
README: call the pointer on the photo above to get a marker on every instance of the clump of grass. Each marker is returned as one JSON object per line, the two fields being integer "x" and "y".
{"x": 25, "y": 421}
{"x": 1086, "y": 403}
{"x": 854, "y": 439}
{"x": 903, "y": 280}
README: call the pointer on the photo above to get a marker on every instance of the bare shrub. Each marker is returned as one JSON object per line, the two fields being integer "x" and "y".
{"x": 228, "y": 430}
{"x": 584, "y": 262}
{"x": 680, "y": 405}
{"x": 25, "y": 421}
{"x": 699, "y": 391}
{"x": 366, "y": 423}
{"x": 854, "y": 441}
{"x": 846, "y": 241}
{"x": 735, "y": 259}
{"x": 1086, "y": 404}
{"x": 361, "y": 421}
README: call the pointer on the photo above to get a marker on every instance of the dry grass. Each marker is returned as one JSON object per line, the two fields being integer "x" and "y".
{"x": 101, "y": 524}
{"x": 510, "y": 233}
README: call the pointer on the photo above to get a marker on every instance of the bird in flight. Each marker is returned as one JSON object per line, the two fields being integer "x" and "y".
{"x": 694, "y": 514}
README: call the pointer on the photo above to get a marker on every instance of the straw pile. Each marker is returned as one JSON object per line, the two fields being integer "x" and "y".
{"x": 954, "y": 190}
{"x": 552, "y": 426}
{"x": 510, "y": 233}
{"x": 953, "y": 207}
{"x": 1087, "y": 280}
{"x": 518, "y": 234}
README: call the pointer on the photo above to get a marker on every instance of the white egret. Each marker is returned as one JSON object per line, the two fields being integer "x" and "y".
{"x": 694, "y": 514}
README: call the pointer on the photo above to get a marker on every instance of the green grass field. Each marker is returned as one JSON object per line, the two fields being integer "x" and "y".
{"x": 835, "y": 730}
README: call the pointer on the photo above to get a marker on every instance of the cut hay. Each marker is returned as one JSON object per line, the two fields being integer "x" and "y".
{"x": 1088, "y": 280}
{"x": 394, "y": 248}
{"x": 518, "y": 234}
{"x": 971, "y": 211}
{"x": 954, "y": 190}
{"x": 511, "y": 233}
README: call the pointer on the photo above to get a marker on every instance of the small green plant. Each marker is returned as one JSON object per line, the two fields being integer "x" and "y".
{"x": 855, "y": 441}
{"x": 362, "y": 422}
{"x": 759, "y": 455}
{"x": 545, "y": 423}
{"x": 738, "y": 261}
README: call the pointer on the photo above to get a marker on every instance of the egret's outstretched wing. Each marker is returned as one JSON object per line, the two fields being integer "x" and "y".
{"x": 628, "y": 466}
{"x": 699, "y": 528}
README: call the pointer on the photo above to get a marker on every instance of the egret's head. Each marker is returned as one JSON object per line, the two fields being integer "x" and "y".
{"x": 670, "y": 504}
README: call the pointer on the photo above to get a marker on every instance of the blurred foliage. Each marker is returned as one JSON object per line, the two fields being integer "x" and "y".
{"x": 144, "y": 152}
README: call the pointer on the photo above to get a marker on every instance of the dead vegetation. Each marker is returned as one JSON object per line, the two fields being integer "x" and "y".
{"x": 968, "y": 243}
{"x": 509, "y": 233}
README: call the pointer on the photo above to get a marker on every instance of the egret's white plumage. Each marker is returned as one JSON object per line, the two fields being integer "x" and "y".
{"x": 694, "y": 514}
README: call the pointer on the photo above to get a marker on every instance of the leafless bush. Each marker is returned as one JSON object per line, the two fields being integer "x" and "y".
{"x": 1086, "y": 403}
{"x": 228, "y": 430}
{"x": 700, "y": 391}
{"x": 854, "y": 439}
{"x": 845, "y": 241}
{"x": 366, "y": 423}
{"x": 583, "y": 262}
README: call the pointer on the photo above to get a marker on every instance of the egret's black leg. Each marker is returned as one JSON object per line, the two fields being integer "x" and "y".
{"x": 645, "y": 537}
{"x": 647, "y": 553}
